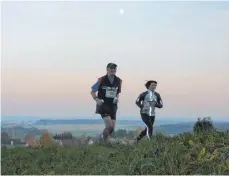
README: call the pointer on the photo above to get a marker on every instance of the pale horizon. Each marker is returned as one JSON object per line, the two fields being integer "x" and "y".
{"x": 53, "y": 52}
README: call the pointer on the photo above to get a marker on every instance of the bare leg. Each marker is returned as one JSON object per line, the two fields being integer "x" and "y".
{"x": 113, "y": 125}
{"x": 107, "y": 129}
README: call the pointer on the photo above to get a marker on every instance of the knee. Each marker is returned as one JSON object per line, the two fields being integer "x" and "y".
{"x": 150, "y": 127}
{"x": 151, "y": 130}
{"x": 110, "y": 128}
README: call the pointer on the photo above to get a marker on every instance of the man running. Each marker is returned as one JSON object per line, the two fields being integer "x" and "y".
{"x": 147, "y": 101}
{"x": 108, "y": 88}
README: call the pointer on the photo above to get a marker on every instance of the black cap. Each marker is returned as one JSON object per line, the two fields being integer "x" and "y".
{"x": 111, "y": 65}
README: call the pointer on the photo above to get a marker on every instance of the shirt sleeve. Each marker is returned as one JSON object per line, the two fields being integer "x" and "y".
{"x": 139, "y": 100}
{"x": 95, "y": 87}
{"x": 159, "y": 103}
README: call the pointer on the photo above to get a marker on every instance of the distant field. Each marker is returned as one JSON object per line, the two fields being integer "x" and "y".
{"x": 82, "y": 129}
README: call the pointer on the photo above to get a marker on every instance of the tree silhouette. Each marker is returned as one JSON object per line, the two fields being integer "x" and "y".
{"x": 46, "y": 139}
{"x": 5, "y": 139}
{"x": 65, "y": 135}
{"x": 30, "y": 140}
{"x": 204, "y": 125}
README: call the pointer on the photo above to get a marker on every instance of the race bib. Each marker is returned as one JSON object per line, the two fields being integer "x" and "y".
{"x": 111, "y": 92}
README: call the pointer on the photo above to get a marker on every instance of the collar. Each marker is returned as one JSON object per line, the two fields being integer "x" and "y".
{"x": 150, "y": 91}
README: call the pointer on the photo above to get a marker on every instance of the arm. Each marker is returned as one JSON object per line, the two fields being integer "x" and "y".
{"x": 119, "y": 88}
{"x": 93, "y": 94}
{"x": 139, "y": 101}
{"x": 116, "y": 99}
{"x": 94, "y": 88}
{"x": 159, "y": 103}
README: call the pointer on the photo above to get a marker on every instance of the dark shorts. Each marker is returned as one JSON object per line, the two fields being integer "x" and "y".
{"x": 107, "y": 110}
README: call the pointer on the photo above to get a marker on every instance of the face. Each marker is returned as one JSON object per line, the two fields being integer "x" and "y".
{"x": 111, "y": 71}
{"x": 152, "y": 86}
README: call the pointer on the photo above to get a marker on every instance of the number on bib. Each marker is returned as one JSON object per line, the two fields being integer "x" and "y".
{"x": 111, "y": 93}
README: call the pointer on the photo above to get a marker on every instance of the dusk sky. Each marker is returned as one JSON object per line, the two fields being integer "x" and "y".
{"x": 52, "y": 53}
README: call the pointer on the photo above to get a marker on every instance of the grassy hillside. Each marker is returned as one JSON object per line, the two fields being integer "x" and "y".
{"x": 183, "y": 154}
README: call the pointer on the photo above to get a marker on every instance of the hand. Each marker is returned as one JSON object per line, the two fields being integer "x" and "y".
{"x": 153, "y": 103}
{"x": 99, "y": 101}
{"x": 115, "y": 101}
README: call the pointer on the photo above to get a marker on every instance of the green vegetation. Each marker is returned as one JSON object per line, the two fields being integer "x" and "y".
{"x": 204, "y": 125}
{"x": 187, "y": 153}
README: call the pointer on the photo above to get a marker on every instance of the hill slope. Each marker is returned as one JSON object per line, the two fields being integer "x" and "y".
{"x": 183, "y": 154}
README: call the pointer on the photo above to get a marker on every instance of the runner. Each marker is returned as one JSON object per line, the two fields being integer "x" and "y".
{"x": 108, "y": 88}
{"x": 147, "y": 101}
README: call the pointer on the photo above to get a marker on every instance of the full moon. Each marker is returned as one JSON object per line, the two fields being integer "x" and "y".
{"x": 121, "y": 11}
